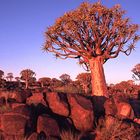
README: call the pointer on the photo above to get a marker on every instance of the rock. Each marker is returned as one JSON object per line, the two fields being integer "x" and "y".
{"x": 47, "y": 125}
{"x": 125, "y": 111}
{"x": 13, "y": 123}
{"x": 137, "y": 120}
{"x": 81, "y": 112}
{"x": 21, "y": 109}
{"x": 33, "y": 136}
{"x": 57, "y": 103}
{"x": 110, "y": 107}
{"x": 35, "y": 99}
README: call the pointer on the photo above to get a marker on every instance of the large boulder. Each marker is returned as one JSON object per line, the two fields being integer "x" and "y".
{"x": 13, "y": 124}
{"x": 81, "y": 112}
{"x": 125, "y": 111}
{"x": 48, "y": 126}
{"x": 36, "y": 99}
{"x": 57, "y": 103}
{"x": 21, "y": 109}
{"x": 110, "y": 107}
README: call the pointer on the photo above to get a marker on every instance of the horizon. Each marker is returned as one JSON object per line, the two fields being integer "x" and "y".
{"x": 23, "y": 25}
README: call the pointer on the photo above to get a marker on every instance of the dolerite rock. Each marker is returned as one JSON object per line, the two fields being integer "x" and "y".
{"x": 47, "y": 125}
{"x": 36, "y": 99}
{"x": 110, "y": 107}
{"x": 81, "y": 112}
{"x": 57, "y": 103}
{"x": 33, "y": 136}
{"x": 13, "y": 124}
{"x": 125, "y": 111}
{"x": 21, "y": 109}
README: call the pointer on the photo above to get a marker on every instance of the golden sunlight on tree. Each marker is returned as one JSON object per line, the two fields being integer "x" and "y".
{"x": 27, "y": 75}
{"x": 92, "y": 34}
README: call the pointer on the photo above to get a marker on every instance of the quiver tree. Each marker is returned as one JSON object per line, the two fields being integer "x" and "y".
{"x": 85, "y": 81}
{"x": 27, "y": 75}
{"x": 136, "y": 72}
{"x": 92, "y": 34}
{"x": 65, "y": 78}
{"x": 9, "y": 76}
{"x": 44, "y": 81}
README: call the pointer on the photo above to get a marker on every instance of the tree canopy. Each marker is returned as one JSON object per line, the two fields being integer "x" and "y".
{"x": 91, "y": 30}
{"x": 92, "y": 33}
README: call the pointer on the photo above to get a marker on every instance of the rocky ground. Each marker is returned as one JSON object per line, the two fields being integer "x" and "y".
{"x": 27, "y": 115}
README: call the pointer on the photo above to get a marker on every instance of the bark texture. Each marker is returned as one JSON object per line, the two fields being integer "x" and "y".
{"x": 98, "y": 81}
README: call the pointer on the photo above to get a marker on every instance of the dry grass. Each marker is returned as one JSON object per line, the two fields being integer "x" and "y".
{"x": 116, "y": 131}
{"x": 69, "y": 135}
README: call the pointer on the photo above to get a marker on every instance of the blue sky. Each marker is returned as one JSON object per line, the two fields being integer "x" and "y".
{"x": 22, "y": 27}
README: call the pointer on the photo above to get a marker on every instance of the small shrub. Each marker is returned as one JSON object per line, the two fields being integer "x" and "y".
{"x": 118, "y": 130}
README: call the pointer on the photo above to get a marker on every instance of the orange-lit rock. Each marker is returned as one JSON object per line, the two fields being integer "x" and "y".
{"x": 110, "y": 107}
{"x": 13, "y": 123}
{"x": 21, "y": 109}
{"x": 137, "y": 120}
{"x": 81, "y": 112}
{"x": 57, "y": 103}
{"x": 125, "y": 111}
{"x": 35, "y": 99}
{"x": 47, "y": 125}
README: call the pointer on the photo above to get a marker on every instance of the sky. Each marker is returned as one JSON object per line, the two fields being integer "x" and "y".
{"x": 22, "y": 27}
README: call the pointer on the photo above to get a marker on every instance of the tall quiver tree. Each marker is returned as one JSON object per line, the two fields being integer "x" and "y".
{"x": 93, "y": 34}
{"x": 27, "y": 75}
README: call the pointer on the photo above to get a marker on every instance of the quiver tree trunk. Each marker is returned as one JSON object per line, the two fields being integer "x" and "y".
{"x": 98, "y": 81}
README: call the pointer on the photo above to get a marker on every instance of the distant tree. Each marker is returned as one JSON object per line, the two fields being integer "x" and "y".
{"x": 9, "y": 76}
{"x": 85, "y": 80}
{"x": 1, "y": 74}
{"x": 92, "y": 34}
{"x": 136, "y": 72}
{"x": 17, "y": 79}
{"x": 124, "y": 87}
{"x": 2, "y": 81}
{"x": 56, "y": 83}
{"x": 65, "y": 78}
{"x": 27, "y": 75}
{"x": 45, "y": 81}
